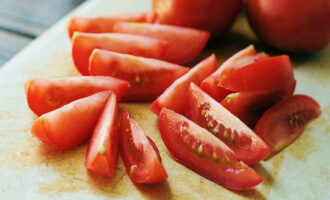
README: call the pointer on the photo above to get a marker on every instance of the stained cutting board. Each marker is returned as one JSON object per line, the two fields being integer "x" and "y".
{"x": 32, "y": 170}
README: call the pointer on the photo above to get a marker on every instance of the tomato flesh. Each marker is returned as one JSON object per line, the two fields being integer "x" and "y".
{"x": 174, "y": 96}
{"x": 148, "y": 78}
{"x": 44, "y": 95}
{"x": 266, "y": 75}
{"x": 105, "y": 23}
{"x": 284, "y": 122}
{"x": 209, "y": 114}
{"x": 71, "y": 124}
{"x": 202, "y": 152}
{"x": 83, "y": 45}
{"x": 102, "y": 153}
{"x": 212, "y": 84}
{"x": 140, "y": 155}
{"x": 178, "y": 38}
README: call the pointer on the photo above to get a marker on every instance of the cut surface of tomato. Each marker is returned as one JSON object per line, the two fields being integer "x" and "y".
{"x": 44, "y": 95}
{"x": 250, "y": 106}
{"x": 139, "y": 153}
{"x": 148, "y": 78}
{"x": 284, "y": 122}
{"x": 212, "y": 84}
{"x": 104, "y": 23}
{"x": 266, "y": 75}
{"x": 209, "y": 114}
{"x": 174, "y": 97}
{"x": 102, "y": 153}
{"x": 71, "y": 124}
{"x": 83, "y": 45}
{"x": 202, "y": 152}
{"x": 184, "y": 44}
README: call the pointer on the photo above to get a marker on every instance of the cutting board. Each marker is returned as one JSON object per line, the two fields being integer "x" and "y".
{"x": 32, "y": 170}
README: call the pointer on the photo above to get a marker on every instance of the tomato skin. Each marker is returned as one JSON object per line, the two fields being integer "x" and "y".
{"x": 72, "y": 124}
{"x": 83, "y": 45}
{"x": 212, "y": 84}
{"x": 209, "y": 114}
{"x": 102, "y": 152}
{"x": 174, "y": 96}
{"x": 306, "y": 30}
{"x": 284, "y": 122}
{"x": 215, "y": 161}
{"x": 104, "y": 23}
{"x": 178, "y": 38}
{"x": 44, "y": 95}
{"x": 148, "y": 78}
{"x": 215, "y": 16}
{"x": 269, "y": 74}
{"x": 139, "y": 153}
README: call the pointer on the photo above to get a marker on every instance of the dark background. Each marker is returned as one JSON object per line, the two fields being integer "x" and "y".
{"x": 23, "y": 20}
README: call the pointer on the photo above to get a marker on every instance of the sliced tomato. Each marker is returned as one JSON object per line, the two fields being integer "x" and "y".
{"x": 83, "y": 45}
{"x": 249, "y": 106}
{"x": 71, "y": 124}
{"x": 269, "y": 74}
{"x": 102, "y": 153}
{"x": 212, "y": 84}
{"x": 184, "y": 44}
{"x": 44, "y": 95}
{"x": 174, "y": 96}
{"x": 284, "y": 122}
{"x": 199, "y": 150}
{"x": 209, "y": 114}
{"x": 148, "y": 78}
{"x": 104, "y": 23}
{"x": 139, "y": 153}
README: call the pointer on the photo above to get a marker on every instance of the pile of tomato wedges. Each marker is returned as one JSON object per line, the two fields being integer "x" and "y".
{"x": 214, "y": 120}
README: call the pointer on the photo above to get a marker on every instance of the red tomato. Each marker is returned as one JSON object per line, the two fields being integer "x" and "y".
{"x": 174, "y": 97}
{"x": 209, "y": 114}
{"x": 71, "y": 124}
{"x": 102, "y": 152}
{"x": 269, "y": 74}
{"x": 139, "y": 153}
{"x": 148, "y": 78}
{"x": 202, "y": 152}
{"x": 212, "y": 84}
{"x": 284, "y": 122}
{"x": 178, "y": 38}
{"x": 104, "y": 23}
{"x": 249, "y": 106}
{"x": 291, "y": 25}
{"x": 83, "y": 45}
{"x": 45, "y": 95}
{"x": 215, "y": 16}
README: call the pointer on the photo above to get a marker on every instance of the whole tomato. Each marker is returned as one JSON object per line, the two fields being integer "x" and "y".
{"x": 298, "y": 26}
{"x": 215, "y": 16}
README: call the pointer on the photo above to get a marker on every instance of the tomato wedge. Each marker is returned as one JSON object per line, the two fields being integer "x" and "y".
{"x": 284, "y": 122}
{"x": 44, "y": 95}
{"x": 83, "y": 45}
{"x": 102, "y": 152}
{"x": 71, "y": 124}
{"x": 184, "y": 44}
{"x": 104, "y": 23}
{"x": 212, "y": 84}
{"x": 174, "y": 96}
{"x": 209, "y": 114}
{"x": 148, "y": 78}
{"x": 139, "y": 153}
{"x": 249, "y": 106}
{"x": 199, "y": 150}
{"x": 269, "y": 74}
